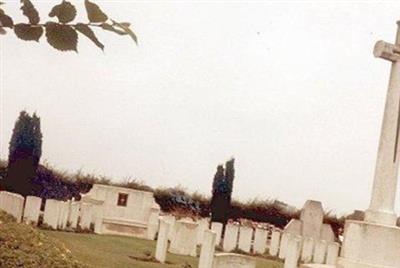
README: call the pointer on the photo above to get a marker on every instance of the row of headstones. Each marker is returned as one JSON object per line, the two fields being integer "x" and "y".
{"x": 295, "y": 248}
{"x": 56, "y": 215}
{"x": 183, "y": 244}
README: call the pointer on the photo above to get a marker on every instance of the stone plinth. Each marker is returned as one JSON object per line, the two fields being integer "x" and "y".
{"x": 369, "y": 245}
{"x": 216, "y": 227}
{"x": 260, "y": 241}
{"x": 32, "y": 209}
{"x": 245, "y": 236}
{"x": 231, "y": 260}
{"x": 207, "y": 249}
{"x": 184, "y": 242}
{"x": 230, "y": 237}
{"x": 162, "y": 242}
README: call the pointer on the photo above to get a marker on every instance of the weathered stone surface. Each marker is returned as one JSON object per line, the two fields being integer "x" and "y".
{"x": 86, "y": 215}
{"x": 51, "y": 213}
{"x": 74, "y": 214}
{"x": 170, "y": 219}
{"x": 327, "y": 233}
{"x": 12, "y": 203}
{"x": 162, "y": 242}
{"x": 231, "y": 260}
{"x": 332, "y": 253}
{"x": 230, "y": 237}
{"x": 245, "y": 237}
{"x": 207, "y": 249}
{"x": 294, "y": 227}
{"x": 203, "y": 226}
{"x": 320, "y": 251}
{"x": 153, "y": 222}
{"x": 283, "y": 245}
{"x": 216, "y": 227}
{"x": 311, "y": 217}
{"x": 63, "y": 212}
{"x": 307, "y": 250}
{"x": 275, "y": 243}
{"x": 293, "y": 252}
{"x": 184, "y": 242}
{"x": 260, "y": 241}
{"x": 370, "y": 245}
{"x": 32, "y": 209}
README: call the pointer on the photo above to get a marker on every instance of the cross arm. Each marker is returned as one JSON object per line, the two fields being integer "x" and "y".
{"x": 387, "y": 51}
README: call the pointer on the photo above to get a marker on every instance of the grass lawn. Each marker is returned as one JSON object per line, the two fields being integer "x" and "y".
{"x": 117, "y": 251}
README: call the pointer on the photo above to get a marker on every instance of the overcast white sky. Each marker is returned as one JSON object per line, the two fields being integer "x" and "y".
{"x": 291, "y": 90}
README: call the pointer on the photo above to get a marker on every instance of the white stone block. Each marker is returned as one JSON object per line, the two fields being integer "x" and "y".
{"x": 260, "y": 241}
{"x": 32, "y": 209}
{"x": 63, "y": 212}
{"x": 51, "y": 213}
{"x": 162, "y": 242}
{"x": 207, "y": 249}
{"x": 275, "y": 242}
{"x": 216, "y": 227}
{"x": 170, "y": 219}
{"x": 13, "y": 204}
{"x": 332, "y": 253}
{"x": 184, "y": 242}
{"x": 320, "y": 251}
{"x": 293, "y": 252}
{"x": 230, "y": 237}
{"x": 203, "y": 226}
{"x": 231, "y": 260}
{"x": 312, "y": 216}
{"x": 307, "y": 251}
{"x": 245, "y": 238}
{"x": 283, "y": 245}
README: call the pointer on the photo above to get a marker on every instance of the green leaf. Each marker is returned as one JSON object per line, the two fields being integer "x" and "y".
{"x": 94, "y": 12}
{"x": 6, "y": 21}
{"x": 109, "y": 27}
{"x": 30, "y": 11}
{"x": 28, "y": 32}
{"x": 86, "y": 31}
{"x": 65, "y": 12}
{"x": 61, "y": 37}
{"x": 124, "y": 26}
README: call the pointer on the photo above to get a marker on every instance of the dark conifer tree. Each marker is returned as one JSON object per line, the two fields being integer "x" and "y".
{"x": 25, "y": 150}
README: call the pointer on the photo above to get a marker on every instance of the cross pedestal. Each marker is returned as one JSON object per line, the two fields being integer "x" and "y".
{"x": 375, "y": 242}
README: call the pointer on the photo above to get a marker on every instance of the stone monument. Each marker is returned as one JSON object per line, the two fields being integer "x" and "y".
{"x": 375, "y": 242}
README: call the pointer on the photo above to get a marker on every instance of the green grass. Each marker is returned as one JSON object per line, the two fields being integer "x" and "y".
{"x": 116, "y": 251}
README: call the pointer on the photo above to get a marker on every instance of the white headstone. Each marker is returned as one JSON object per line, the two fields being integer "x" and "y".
{"x": 170, "y": 219}
{"x": 312, "y": 216}
{"x": 184, "y": 242}
{"x": 294, "y": 227}
{"x": 293, "y": 252}
{"x": 86, "y": 215}
{"x": 307, "y": 250}
{"x": 162, "y": 242}
{"x": 260, "y": 241}
{"x": 216, "y": 227}
{"x": 275, "y": 242}
{"x": 74, "y": 214}
{"x": 63, "y": 212}
{"x": 320, "y": 251}
{"x": 203, "y": 225}
{"x": 230, "y": 237}
{"x": 245, "y": 237}
{"x": 231, "y": 260}
{"x": 283, "y": 245}
{"x": 32, "y": 209}
{"x": 51, "y": 213}
{"x": 13, "y": 204}
{"x": 333, "y": 253}
{"x": 327, "y": 233}
{"x": 207, "y": 249}
{"x": 153, "y": 222}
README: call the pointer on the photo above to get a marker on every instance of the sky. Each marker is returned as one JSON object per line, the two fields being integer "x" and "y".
{"x": 290, "y": 89}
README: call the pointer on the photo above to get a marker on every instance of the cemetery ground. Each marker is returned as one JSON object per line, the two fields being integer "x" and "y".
{"x": 119, "y": 251}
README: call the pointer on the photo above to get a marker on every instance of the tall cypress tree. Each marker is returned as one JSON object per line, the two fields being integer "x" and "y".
{"x": 25, "y": 150}
{"x": 222, "y": 192}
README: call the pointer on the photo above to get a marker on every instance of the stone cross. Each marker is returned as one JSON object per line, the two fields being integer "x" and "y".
{"x": 381, "y": 209}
